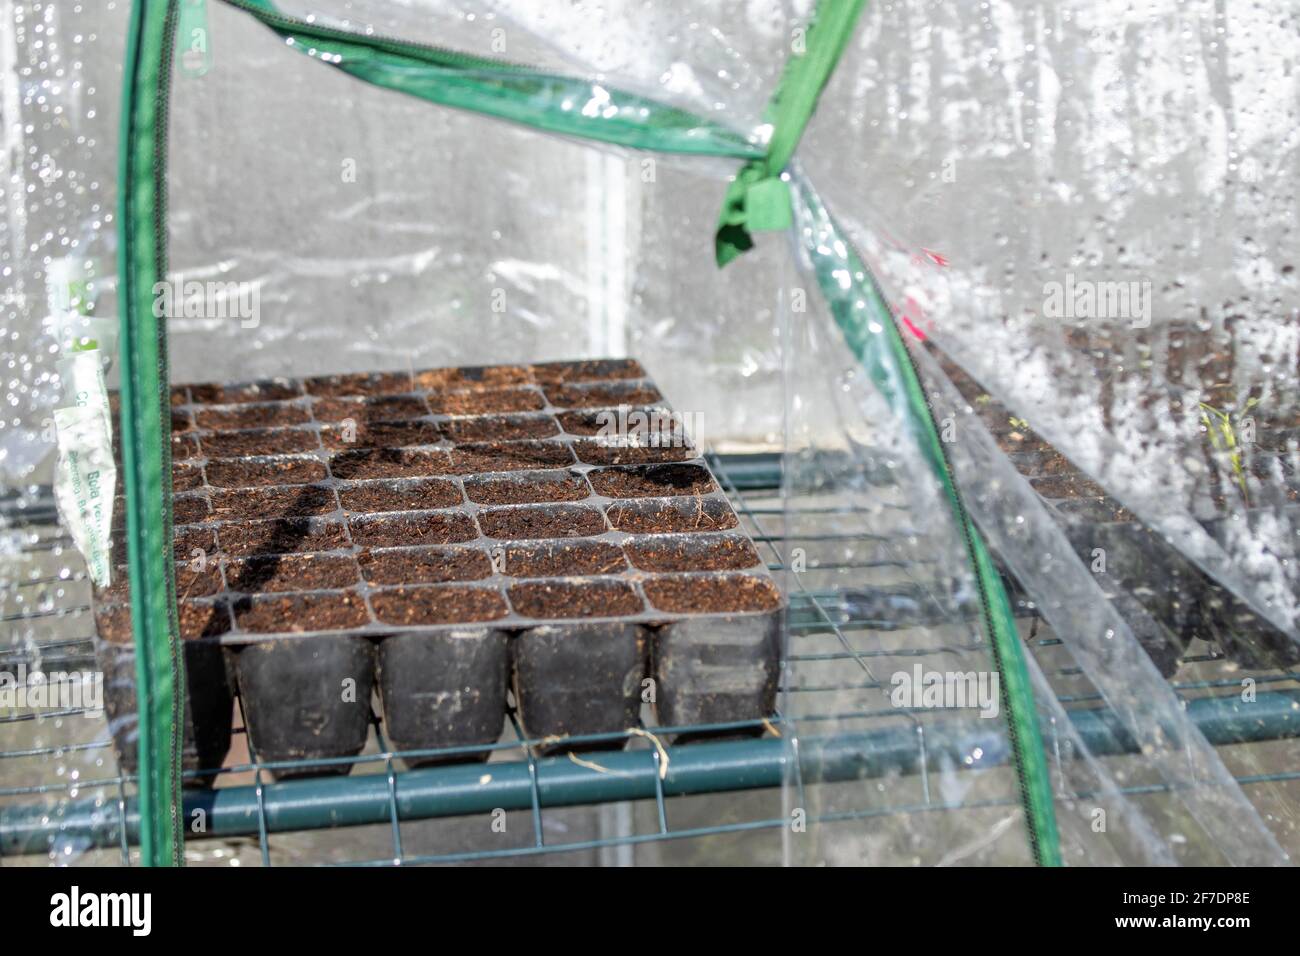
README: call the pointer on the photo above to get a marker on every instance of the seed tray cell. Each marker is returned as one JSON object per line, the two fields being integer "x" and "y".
{"x": 480, "y": 524}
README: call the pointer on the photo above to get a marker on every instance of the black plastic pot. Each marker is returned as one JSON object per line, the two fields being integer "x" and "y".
{"x": 208, "y": 706}
{"x": 717, "y": 671}
{"x": 576, "y": 679}
{"x": 1122, "y": 556}
{"x": 444, "y": 688}
{"x": 306, "y": 699}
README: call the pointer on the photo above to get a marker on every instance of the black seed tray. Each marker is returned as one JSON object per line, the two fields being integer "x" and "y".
{"x": 445, "y": 534}
{"x": 1184, "y": 603}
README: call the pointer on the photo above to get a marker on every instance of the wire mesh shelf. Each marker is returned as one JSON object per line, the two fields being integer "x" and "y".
{"x": 727, "y": 799}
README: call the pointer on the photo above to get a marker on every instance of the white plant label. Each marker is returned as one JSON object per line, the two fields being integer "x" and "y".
{"x": 84, "y": 485}
{"x": 85, "y": 479}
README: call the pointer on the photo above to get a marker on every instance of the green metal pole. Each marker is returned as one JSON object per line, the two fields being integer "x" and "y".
{"x": 464, "y": 789}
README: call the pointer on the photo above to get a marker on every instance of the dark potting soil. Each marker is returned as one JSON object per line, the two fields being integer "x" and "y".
{"x": 472, "y": 377}
{"x": 196, "y": 620}
{"x": 185, "y": 542}
{"x": 262, "y": 504}
{"x": 273, "y": 390}
{"x": 390, "y": 463}
{"x": 575, "y": 599}
{"x": 296, "y": 501}
{"x": 263, "y": 441}
{"x": 693, "y": 594}
{"x": 551, "y": 373}
{"x": 543, "y": 521}
{"x": 1027, "y": 462}
{"x": 1094, "y": 510}
{"x": 186, "y": 477}
{"x": 602, "y": 421}
{"x": 1041, "y": 463}
{"x": 359, "y": 383}
{"x": 388, "y": 408}
{"x": 250, "y": 473}
{"x": 555, "y": 559}
{"x": 296, "y": 613}
{"x": 528, "y": 488}
{"x": 1016, "y": 439}
{"x": 113, "y": 622}
{"x": 484, "y": 401}
{"x": 442, "y": 604}
{"x": 411, "y": 495}
{"x": 1067, "y": 486}
{"x": 711, "y": 553}
{"x": 183, "y": 446}
{"x": 489, "y": 428}
{"x": 191, "y": 539}
{"x": 509, "y": 456}
{"x": 393, "y": 531}
{"x": 188, "y": 509}
{"x": 595, "y": 452}
{"x": 255, "y": 415}
{"x": 424, "y": 565}
{"x": 191, "y": 582}
{"x": 281, "y": 536}
{"x": 678, "y": 515}
{"x": 656, "y": 481}
{"x": 643, "y": 423}
{"x": 596, "y": 396}
{"x": 380, "y": 435}
{"x": 291, "y": 572}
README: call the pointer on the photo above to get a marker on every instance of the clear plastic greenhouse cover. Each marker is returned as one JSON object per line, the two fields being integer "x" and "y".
{"x": 1080, "y": 218}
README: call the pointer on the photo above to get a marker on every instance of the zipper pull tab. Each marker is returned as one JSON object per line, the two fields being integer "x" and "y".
{"x": 192, "y": 37}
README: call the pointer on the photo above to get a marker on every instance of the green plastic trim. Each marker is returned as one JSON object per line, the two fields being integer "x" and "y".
{"x": 146, "y": 452}
{"x": 512, "y": 91}
{"x": 758, "y": 200}
{"x": 872, "y": 334}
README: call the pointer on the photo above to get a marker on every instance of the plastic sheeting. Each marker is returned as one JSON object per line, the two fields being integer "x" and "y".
{"x": 1031, "y": 156}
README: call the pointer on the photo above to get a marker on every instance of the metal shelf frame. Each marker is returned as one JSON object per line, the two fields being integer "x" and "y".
{"x": 764, "y": 754}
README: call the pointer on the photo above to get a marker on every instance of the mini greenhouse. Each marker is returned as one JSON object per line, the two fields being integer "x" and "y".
{"x": 599, "y": 432}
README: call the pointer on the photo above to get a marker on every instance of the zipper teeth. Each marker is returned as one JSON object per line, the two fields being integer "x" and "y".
{"x": 1013, "y": 732}
{"x": 964, "y": 522}
{"x": 134, "y": 43}
{"x": 162, "y": 104}
{"x": 390, "y": 44}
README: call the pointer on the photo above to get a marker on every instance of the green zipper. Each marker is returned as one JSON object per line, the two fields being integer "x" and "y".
{"x": 551, "y": 102}
{"x": 145, "y": 423}
{"x": 758, "y": 199}
{"x": 863, "y": 316}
